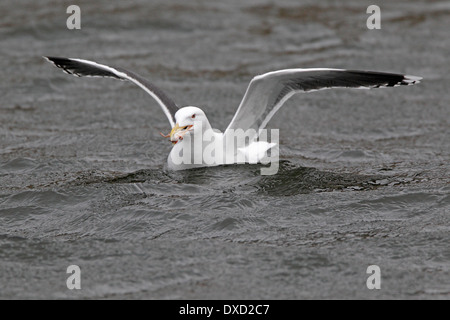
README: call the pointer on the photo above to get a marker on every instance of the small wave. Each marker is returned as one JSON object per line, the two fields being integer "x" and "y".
{"x": 19, "y": 164}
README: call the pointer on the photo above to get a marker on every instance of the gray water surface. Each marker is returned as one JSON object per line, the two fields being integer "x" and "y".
{"x": 364, "y": 177}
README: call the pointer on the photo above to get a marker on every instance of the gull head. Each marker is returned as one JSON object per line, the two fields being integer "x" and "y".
{"x": 189, "y": 120}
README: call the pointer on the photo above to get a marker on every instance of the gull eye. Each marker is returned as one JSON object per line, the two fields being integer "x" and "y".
{"x": 193, "y": 116}
{"x": 185, "y": 127}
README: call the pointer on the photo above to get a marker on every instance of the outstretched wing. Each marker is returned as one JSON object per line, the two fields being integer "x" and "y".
{"x": 268, "y": 92}
{"x": 86, "y": 68}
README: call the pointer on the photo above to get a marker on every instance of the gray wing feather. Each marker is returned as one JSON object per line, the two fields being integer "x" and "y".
{"x": 268, "y": 92}
{"x": 86, "y": 68}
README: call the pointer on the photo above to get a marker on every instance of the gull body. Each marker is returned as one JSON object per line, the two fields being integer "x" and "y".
{"x": 194, "y": 134}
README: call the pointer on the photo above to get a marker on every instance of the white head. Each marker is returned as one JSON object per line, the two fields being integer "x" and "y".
{"x": 187, "y": 122}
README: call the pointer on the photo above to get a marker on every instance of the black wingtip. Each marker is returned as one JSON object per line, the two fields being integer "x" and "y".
{"x": 49, "y": 58}
{"x": 56, "y": 59}
{"x": 65, "y": 64}
{"x": 409, "y": 79}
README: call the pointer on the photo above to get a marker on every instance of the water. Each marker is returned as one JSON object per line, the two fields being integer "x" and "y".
{"x": 364, "y": 177}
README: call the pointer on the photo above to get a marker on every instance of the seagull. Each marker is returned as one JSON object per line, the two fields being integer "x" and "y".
{"x": 197, "y": 144}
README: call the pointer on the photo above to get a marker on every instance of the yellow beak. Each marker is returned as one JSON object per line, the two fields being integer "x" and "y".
{"x": 178, "y": 132}
{"x": 174, "y": 131}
